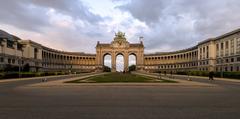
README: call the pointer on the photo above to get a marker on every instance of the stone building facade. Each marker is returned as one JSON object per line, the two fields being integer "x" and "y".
{"x": 120, "y": 46}
{"x": 215, "y": 54}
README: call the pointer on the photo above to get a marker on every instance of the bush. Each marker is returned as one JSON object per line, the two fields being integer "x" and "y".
{"x": 59, "y": 73}
{"x": 132, "y": 68}
{"x": 49, "y": 73}
{"x": 27, "y": 74}
{"x": 11, "y": 68}
{"x": 1, "y": 75}
{"x": 8, "y": 75}
{"x": 106, "y": 69}
{"x": 235, "y": 75}
{"x": 181, "y": 72}
{"x": 26, "y": 68}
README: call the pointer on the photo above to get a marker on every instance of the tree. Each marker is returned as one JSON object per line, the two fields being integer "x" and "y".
{"x": 106, "y": 69}
{"x": 8, "y": 68}
{"x": 132, "y": 68}
{"x": 26, "y": 68}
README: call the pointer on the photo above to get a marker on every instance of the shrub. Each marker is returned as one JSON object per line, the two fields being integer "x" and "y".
{"x": 49, "y": 73}
{"x": 181, "y": 72}
{"x": 232, "y": 75}
{"x": 132, "y": 68}
{"x": 8, "y": 75}
{"x": 27, "y": 74}
{"x": 1, "y": 75}
{"x": 106, "y": 69}
{"x": 26, "y": 68}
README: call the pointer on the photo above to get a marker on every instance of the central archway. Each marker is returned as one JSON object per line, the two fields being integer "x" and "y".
{"x": 120, "y": 63}
{"x": 120, "y": 46}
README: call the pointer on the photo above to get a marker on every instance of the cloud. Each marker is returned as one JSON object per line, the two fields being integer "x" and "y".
{"x": 179, "y": 24}
{"x": 74, "y": 8}
{"x": 26, "y": 17}
{"x": 73, "y": 25}
{"x": 60, "y": 24}
{"x": 33, "y": 15}
{"x": 148, "y": 11}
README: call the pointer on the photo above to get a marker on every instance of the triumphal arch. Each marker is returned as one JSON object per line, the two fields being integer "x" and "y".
{"x": 120, "y": 46}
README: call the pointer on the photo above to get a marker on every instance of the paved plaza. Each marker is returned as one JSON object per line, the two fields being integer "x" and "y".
{"x": 199, "y": 98}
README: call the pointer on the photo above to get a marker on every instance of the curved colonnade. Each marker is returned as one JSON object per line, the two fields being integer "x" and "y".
{"x": 215, "y": 54}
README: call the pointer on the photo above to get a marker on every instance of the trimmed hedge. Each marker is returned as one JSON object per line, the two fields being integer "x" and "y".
{"x": 8, "y": 75}
{"x": 234, "y": 75}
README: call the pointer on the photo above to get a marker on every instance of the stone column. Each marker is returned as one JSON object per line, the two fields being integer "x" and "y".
{"x": 125, "y": 62}
{"x": 97, "y": 60}
{"x": 113, "y": 62}
{"x": 139, "y": 61}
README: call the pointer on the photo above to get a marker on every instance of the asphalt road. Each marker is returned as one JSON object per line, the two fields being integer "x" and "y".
{"x": 120, "y": 102}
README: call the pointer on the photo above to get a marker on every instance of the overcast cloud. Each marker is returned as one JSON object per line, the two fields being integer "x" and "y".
{"x": 77, "y": 25}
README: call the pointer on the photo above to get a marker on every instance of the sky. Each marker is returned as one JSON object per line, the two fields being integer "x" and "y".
{"x": 77, "y": 25}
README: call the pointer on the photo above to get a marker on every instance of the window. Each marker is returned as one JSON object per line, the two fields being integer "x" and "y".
{"x": 10, "y": 44}
{"x": 238, "y": 59}
{"x": 35, "y": 53}
{"x": 226, "y": 60}
{"x": 13, "y": 61}
{"x": 226, "y": 69}
{"x": 9, "y": 61}
{"x": 232, "y": 59}
{"x": 238, "y": 46}
{"x": 226, "y": 45}
{"x": 19, "y": 46}
{"x": 1, "y": 59}
{"x": 221, "y": 46}
{"x": 232, "y": 47}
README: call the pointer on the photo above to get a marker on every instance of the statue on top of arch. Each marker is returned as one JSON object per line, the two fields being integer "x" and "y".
{"x": 120, "y": 36}
{"x": 120, "y": 40}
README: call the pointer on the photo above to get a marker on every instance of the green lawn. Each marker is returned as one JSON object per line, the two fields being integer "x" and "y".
{"x": 119, "y": 77}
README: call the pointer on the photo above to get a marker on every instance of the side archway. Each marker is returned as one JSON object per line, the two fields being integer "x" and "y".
{"x": 132, "y": 59}
{"x": 107, "y": 62}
